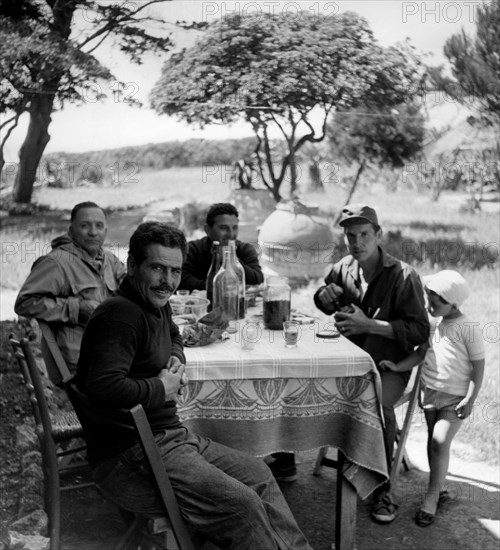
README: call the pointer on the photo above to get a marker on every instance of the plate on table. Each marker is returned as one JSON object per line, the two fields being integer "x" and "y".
{"x": 185, "y": 319}
{"x": 301, "y": 318}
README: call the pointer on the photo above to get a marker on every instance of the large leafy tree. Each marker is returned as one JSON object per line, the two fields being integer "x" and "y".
{"x": 384, "y": 137}
{"x": 282, "y": 73}
{"x": 47, "y": 58}
{"x": 475, "y": 63}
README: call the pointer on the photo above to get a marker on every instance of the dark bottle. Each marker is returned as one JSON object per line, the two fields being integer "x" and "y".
{"x": 212, "y": 272}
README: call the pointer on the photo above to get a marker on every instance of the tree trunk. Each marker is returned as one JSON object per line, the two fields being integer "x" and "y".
{"x": 293, "y": 175}
{"x": 315, "y": 182}
{"x": 353, "y": 188}
{"x": 33, "y": 147}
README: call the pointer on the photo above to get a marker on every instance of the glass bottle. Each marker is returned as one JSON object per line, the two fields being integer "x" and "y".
{"x": 212, "y": 272}
{"x": 227, "y": 289}
{"x": 241, "y": 276}
{"x": 276, "y": 302}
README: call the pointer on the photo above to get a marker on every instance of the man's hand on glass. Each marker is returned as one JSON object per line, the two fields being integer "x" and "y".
{"x": 329, "y": 296}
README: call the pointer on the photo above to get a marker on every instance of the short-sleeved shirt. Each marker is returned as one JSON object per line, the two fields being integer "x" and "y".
{"x": 455, "y": 344}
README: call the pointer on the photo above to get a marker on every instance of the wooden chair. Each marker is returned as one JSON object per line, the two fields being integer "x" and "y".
{"x": 57, "y": 369}
{"x": 409, "y": 396}
{"x": 170, "y": 527}
{"x": 52, "y": 430}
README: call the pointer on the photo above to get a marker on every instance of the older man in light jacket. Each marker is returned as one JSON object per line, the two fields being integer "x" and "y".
{"x": 65, "y": 286}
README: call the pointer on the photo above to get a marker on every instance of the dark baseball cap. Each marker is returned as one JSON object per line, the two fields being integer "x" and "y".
{"x": 358, "y": 213}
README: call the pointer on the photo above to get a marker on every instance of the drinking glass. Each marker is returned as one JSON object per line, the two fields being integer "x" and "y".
{"x": 249, "y": 335}
{"x": 291, "y": 331}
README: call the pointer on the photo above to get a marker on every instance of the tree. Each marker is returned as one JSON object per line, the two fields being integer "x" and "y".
{"x": 46, "y": 59}
{"x": 476, "y": 64}
{"x": 384, "y": 137}
{"x": 279, "y": 73}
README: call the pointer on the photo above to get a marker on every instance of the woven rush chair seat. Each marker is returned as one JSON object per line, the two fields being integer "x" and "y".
{"x": 65, "y": 426}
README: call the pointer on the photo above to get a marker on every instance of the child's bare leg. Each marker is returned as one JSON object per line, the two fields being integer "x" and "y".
{"x": 446, "y": 426}
{"x": 430, "y": 419}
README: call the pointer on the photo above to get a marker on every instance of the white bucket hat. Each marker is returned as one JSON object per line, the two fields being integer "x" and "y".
{"x": 450, "y": 285}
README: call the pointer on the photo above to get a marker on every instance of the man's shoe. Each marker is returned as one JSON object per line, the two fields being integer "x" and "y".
{"x": 384, "y": 509}
{"x": 282, "y": 474}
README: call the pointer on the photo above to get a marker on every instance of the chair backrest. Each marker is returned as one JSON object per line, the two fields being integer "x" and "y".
{"x": 57, "y": 368}
{"x": 412, "y": 388}
{"x": 179, "y": 528}
{"x": 36, "y": 389}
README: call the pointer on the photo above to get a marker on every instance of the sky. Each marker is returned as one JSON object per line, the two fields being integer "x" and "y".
{"x": 111, "y": 124}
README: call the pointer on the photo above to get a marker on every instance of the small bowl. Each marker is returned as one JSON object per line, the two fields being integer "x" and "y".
{"x": 177, "y": 305}
{"x": 195, "y": 305}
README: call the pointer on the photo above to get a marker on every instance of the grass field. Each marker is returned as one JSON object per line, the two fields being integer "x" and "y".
{"x": 410, "y": 212}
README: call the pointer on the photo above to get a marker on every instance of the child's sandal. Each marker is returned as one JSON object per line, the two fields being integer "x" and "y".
{"x": 424, "y": 519}
{"x": 443, "y": 497}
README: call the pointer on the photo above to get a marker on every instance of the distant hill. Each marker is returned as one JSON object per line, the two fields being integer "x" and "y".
{"x": 69, "y": 169}
{"x": 449, "y": 138}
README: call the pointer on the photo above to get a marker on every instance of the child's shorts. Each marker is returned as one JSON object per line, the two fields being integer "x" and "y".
{"x": 439, "y": 400}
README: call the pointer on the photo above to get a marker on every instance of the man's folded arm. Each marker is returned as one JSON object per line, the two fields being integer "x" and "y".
{"x": 109, "y": 358}
{"x": 42, "y": 295}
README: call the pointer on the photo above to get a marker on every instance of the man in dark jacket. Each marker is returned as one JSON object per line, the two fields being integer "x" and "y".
{"x": 132, "y": 354}
{"x": 65, "y": 286}
{"x": 221, "y": 225}
{"x": 378, "y": 303}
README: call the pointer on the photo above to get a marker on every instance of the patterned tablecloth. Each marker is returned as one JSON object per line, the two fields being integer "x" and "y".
{"x": 273, "y": 398}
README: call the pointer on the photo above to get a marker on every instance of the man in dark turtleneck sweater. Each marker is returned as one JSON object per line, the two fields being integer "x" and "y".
{"x": 132, "y": 353}
{"x": 221, "y": 225}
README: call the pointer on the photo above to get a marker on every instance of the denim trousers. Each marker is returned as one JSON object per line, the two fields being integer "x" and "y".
{"x": 393, "y": 386}
{"x": 229, "y": 497}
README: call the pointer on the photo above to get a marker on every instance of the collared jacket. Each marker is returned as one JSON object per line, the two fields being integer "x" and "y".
{"x": 199, "y": 258}
{"x": 395, "y": 294}
{"x": 56, "y": 284}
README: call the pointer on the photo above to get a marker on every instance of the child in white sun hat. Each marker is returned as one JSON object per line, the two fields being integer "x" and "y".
{"x": 452, "y": 376}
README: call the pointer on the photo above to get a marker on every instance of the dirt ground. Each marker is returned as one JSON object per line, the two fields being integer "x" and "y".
{"x": 469, "y": 521}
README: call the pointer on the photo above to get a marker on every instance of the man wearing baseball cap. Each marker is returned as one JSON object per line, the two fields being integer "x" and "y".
{"x": 378, "y": 303}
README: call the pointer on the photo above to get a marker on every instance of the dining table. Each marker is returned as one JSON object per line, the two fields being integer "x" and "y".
{"x": 323, "y": 392}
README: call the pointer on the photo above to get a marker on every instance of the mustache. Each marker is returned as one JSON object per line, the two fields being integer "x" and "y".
{"x": 162, "y": 288}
